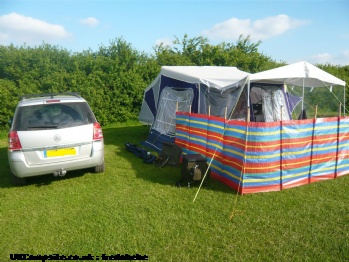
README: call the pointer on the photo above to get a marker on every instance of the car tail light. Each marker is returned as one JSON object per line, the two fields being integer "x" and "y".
{"x": 97, "y": 131}
{"x": 13, "y": 141}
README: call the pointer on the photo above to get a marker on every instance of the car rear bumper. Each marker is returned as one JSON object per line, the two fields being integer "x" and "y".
{"x": 20, "y": 167}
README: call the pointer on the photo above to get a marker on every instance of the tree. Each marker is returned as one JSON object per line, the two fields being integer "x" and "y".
{"x": 113, "y": 78}
{"x": 197, "y": 51}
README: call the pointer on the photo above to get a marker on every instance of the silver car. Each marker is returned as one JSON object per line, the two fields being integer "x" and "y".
{"x": 53, "y": 134}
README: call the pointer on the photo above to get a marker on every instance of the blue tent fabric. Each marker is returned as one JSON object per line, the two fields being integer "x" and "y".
{"x": 155, "y": 140}
{"x": 149, "y": 97}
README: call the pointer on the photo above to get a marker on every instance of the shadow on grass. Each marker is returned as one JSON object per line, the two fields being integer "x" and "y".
{"x": 44, "y": 180}
{"x": 167, "y": 175}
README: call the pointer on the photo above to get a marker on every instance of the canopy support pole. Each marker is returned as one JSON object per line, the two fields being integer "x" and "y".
{"x": 248, "y": 98}
{"x": 303, "y": 97}
{"x": 248, "y": 92}
{"x": 344, "y": 102}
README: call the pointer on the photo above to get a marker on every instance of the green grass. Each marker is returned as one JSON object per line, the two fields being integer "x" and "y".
{"x": 134, "y": 208}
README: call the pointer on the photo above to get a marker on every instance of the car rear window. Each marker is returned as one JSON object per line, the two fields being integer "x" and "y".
{"x": 50, "y": 116}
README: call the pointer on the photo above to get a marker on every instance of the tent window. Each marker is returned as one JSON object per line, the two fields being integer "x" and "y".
{"x": 165, "y": 121}
{"x": 215, "y": 101}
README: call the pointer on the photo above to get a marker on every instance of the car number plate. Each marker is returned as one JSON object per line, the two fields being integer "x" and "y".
{"x": 59, "y": 152}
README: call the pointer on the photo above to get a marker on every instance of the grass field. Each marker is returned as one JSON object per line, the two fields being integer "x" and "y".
{"x": 134, "y": 208}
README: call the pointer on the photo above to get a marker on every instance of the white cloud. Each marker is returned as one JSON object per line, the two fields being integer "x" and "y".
{"x": 89, "y": 21}
{"x": 258, "y": 30}
{"x": 16, "y": 28}
{"x": 165, "y": 42}
{"x": 338, "y": 59}
{"x": 321, "y": 58}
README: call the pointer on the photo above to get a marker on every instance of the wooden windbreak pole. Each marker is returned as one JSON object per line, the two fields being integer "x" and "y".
{"x": 225, "y": 112}
{"x": 338, "y": 137}
{"x": 281, "y": 148}
{"x": 209, "y": 110}
{"x": 313, "y": 137}
{"x": 190, "y": 109}
{"x": 177, "y": 106}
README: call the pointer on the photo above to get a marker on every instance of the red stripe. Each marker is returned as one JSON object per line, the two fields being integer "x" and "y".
{"x": 217, "y": 119}
{"x": 263, "y": 125}
{"x": 239, "y": 144}
{"x": 181, "y": 113}
{"x": 235, "y": 123}
{"x": 197, "y": 147}
{"x": 226, "y": 181}
{"x": 327, "y": 120}
{"x": 322, "y": 158}
{"x": 322, "y": 177}
{"x": 250, "y": 190}
{"x": 295, "y": 183}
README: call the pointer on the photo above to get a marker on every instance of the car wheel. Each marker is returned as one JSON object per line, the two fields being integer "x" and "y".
{"x": 17, "y": 181}
{"x": 100, "y": 168}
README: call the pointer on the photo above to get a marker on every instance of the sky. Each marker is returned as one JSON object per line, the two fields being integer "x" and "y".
{"x": 316, "y": 31}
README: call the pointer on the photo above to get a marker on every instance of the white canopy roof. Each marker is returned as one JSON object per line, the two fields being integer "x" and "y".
{"x": 295, "y": 74}
{"x": 212, "y": 76}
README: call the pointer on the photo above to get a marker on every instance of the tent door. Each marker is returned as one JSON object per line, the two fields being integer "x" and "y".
{"x": 273, "y": 100}
{"x": 165, "y": 120}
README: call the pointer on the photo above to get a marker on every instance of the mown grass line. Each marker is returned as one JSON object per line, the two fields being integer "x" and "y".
{"x": 135, "y": 208}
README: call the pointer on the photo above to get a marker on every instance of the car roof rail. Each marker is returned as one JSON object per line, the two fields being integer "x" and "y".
{"x": 52, "y": 95}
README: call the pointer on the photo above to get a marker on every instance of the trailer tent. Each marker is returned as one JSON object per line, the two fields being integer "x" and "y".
{"x": 270, "y": 156}
{"x": 183, "y": 88}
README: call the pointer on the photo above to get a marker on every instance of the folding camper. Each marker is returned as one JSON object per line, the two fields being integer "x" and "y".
{"x": 198, "y": 89}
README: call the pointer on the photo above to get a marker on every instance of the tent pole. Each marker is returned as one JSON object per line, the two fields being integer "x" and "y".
{"x": 198, "y": 87}
{"x": 248, "y": 115}
{"x": 248, "y": 92}
{"x": 303, "y": 97}
{"x": 344, "y": 102}
{"x": 281, "y": 112}
{"x": 248, "y": 99}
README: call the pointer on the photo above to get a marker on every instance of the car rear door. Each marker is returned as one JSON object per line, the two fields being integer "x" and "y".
{"x": 56, "y": 145}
